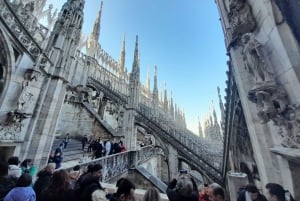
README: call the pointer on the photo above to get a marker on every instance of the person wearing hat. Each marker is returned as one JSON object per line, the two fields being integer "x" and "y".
{"x": 251, "y": 193}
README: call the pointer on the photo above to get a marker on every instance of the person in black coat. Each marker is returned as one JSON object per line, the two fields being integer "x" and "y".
{"x": 7, "y": 182}
{"x": 183, "y": 188}
{"x": 44, "y": 178}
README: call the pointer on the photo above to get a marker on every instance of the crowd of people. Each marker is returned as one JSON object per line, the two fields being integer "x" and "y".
{"x": 98, "y": 148}
{"x": 214, "y": 192}
{"x": 62, "y": 185}
{"x": 18, "y": 183}
{"x": 101, "y": 148}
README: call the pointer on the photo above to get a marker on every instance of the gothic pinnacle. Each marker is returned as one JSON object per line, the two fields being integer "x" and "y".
{"x": 135, "y": 66}
{"x": 97, "y": 25}
{"x": 122, "y": 59}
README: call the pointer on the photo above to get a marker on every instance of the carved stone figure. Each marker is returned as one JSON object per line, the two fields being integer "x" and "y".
{"x": 12, "y": 127}
{"x": 289, "y": 127}
{"x": 272, "y": 105}
{"x": 253, "y": 56}
{"x": 25, "y": 96}
{"x": 271, "y": 101}
{"x": 240, "y": 18}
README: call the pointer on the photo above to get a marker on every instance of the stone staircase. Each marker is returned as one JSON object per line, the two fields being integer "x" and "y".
{"x": 73, "y": 154}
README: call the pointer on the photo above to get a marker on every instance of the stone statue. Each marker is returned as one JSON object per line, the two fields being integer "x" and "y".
{"x": 289, "y": 125}
{"x": 265, "y": 106}
{"x": 25, "y": 96}
{"x": 253, "y": 57}
{"x": 240, "y": 18}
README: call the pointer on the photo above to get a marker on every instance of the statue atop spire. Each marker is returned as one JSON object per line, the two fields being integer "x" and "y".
{"x": 93, "y": 41}
{"x": 221, "y": 105}
{"x": 97, "y": 25}
{"x": 155, "y": 89}
{"x": 165, "y": 98}
{"x": 172, "y": 107}
{"x": 122, "y": 60}
{"x": 135, "y": 73}
{"x": 148, "y": 80}
{"x": 200, "y": 129}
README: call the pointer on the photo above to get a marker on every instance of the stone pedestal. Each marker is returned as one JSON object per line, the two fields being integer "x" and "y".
{"x": 234, "y": 182}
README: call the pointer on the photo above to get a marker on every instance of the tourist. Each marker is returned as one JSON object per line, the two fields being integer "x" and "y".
{"x": 13, "y": 167}
{"x": 151, "y": 194}
{"x": 251, "y": 193}
{"x": 216, "y": 192}
{"x": 183, "y": 188}
{"x": 117, "y": 148}
{"x": 125, "y": 191}
{"x": 22, "y": 191}
{"x": 74, "y": 176}
{"x": 107, "y": 148}
{"x": 277, "y": 193}
{"x": 203, "y": 195}
{"x": 58, "y": 189}
{"x": 58, "y": 156}
{"x": 89, "y": 170}
{"x": 92, "y": 146}
{"x": 98, "y": 149}
{"x": 66, "y": 140}
{"x": 44, "y": 178}
{"x": 84, "y": 140}
{"x": 27, "y": 166}
{"x": 7, "y": 182}
{"x": 122, "y": 146}
{"x": 90, "y": 187}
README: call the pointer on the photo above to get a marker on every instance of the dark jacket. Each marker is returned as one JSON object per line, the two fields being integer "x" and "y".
{"x": 6, "y": 184}
{"x": 111, "y": 197}
{"x": 42, "y": 182}
{"x": 174, "y": 195}
{"x": 242, "y": 197}
{"x": 87, "y": 187}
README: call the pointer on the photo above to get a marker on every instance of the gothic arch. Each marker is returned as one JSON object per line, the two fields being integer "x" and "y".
{"x": 7, "y": 63}
{"x": 205, "y": 177}
{"x": 161, "y": 143}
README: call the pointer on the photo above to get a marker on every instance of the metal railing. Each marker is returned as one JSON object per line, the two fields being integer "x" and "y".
{"x": 117, "y": 164}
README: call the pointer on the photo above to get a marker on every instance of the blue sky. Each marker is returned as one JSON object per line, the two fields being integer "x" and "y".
{"x": 183, "y": 38}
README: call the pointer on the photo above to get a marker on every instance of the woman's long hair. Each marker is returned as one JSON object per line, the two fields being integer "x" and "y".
{"x": 59, "y": 181}
{"x": 58, "y": 185}
{"x": 151, "y": 194}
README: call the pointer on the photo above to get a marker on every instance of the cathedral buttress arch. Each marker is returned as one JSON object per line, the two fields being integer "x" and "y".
{"x": 7, "y": 63}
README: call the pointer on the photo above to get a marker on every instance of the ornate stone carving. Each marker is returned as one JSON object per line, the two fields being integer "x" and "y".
{"x": 18, "y": 30}
{"x": 271, "y": 101}
{"x": 272, "y": 104}
{"x": 289, "y": 126}
{"x": 75, "y": 94}
{"x": 25, "y": 95}
{"x": 240, "y": 18}
{"x": 12, "y": 127}
{"x": 255, "y": 62}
